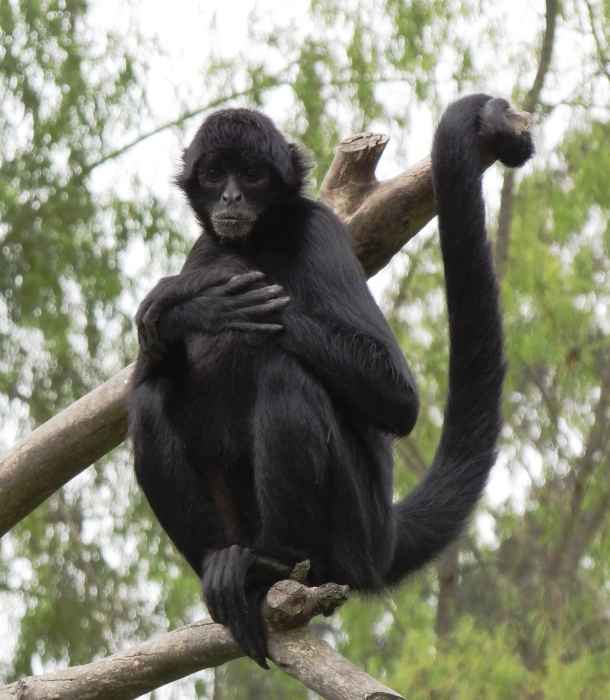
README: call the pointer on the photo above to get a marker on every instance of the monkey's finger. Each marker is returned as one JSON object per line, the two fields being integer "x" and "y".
{"x": 254, "y": 327}
{"x": 256, "y": 296}
{"x": 214, "y": 600}
{"x": 256, "y": 627}
{"x": 148, "y": 345}
{"x": 248, "y": 632}
{"x": 160, "y": 292}
{"x": 143, "y": 310}
{"x": 240, "y": 282}
{"x": 258, "y": 310}
{"x": 238, "y": 562}
{"x": 142, "y": 339}
{"x": 151, "y": 340}
{"x": 150, "y": 321}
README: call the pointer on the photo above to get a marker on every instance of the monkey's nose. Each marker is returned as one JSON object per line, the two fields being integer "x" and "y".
{"x": 231, "y": 197}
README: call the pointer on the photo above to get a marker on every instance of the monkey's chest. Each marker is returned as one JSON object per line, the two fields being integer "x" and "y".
{"x": 229, "y": 358}
{"x": 219, "y": 389}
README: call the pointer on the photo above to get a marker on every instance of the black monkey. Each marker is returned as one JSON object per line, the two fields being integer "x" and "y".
{"x": 268, "y": 385}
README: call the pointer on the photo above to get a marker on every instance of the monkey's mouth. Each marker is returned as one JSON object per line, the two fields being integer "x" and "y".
{"x": 231, "y": 226}
{"x": 233, "y": 219}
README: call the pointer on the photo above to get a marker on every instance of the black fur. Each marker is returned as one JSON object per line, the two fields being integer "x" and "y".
{"x": 256, "y": 135}
{"x": 267, "y": 445}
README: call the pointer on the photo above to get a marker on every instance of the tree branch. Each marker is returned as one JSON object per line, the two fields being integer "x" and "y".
{"x": 381, "y": 217}
{"x": 532, "y": 99}
{"x": 273, "y": 82}
{"x": 602, "y": 55}
{"x": 448, "y": 571}
{"x": 61, "y": 448}
{"x": 579, "y": 526}
{"x": 202, "y": 645}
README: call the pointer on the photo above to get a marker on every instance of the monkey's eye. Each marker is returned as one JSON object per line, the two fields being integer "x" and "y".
{"x": 212, "y": 173}
{"x": 254, "y": 173}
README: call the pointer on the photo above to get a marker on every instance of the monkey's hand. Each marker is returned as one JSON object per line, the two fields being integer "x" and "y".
{"x": 235, "y": 583}
{"x": 189, "y": 303}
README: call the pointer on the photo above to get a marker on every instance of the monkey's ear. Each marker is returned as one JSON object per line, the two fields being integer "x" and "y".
{"x": 190, "y": 158}
{"x": 301, "y": 165}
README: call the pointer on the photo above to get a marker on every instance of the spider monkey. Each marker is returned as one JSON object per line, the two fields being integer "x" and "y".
{"x": 269, "y": 387}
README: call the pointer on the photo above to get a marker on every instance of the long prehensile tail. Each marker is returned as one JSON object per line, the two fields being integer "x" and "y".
{"x": 435, "y": 512}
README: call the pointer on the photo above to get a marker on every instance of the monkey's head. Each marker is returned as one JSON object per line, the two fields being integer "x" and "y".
{"x": 236, "y": 168}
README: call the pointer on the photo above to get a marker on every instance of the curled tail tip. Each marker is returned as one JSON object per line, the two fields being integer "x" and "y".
{"x": 507, "y": 132}
{"x": 518, "y": 153}
{"x": 501, "y": 132}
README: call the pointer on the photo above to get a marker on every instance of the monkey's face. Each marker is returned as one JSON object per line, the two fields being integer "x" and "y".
{"x": 233, "y": 193}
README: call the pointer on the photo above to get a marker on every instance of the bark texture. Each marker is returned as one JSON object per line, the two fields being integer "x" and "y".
{"x": 205, "y": 644}
{"x": 61, "y": 448}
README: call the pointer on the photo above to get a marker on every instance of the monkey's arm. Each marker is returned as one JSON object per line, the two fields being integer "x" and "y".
{"x": 341, "y": 335}
{"x": 204, "y": 302}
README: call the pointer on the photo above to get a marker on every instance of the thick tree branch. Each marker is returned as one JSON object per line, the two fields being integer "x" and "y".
{"x": 61, "y": 448}
{"x": 202, "y": 645}
{"x": 381, "y": 217}
{"x": 395, "y": 209}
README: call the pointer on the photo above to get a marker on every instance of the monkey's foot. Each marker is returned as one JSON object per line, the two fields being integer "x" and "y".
{"x": 235, "y": 582}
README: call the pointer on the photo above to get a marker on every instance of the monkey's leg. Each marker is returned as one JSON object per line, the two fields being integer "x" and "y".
{"x": 293, "y": 434}
{"x": 323, "y": 483}
{"x": 291, "y": 421}
{"x": 179, "y": 494}
{"x": 196, "y": 510}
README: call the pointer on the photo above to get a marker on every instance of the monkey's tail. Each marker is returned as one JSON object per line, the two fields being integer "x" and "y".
{"x": 435, "y": 512}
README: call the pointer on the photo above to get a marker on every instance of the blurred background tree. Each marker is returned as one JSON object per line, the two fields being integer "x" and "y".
{"x": 97, "y": 98}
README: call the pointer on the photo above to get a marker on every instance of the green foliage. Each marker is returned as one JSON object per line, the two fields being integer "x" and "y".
{"x": 479, "y": 665}
{"x": 64, "y": 90}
